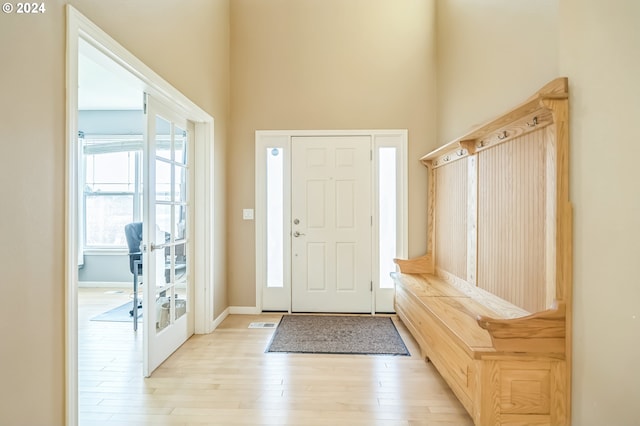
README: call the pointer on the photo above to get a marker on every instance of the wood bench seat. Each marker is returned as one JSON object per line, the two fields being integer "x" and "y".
{"x": 455, "y": 310}
{"x": 448, "y": 325}
{"x": 490, "y": 303}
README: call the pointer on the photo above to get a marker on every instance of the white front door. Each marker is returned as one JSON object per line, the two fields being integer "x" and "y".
{"x": 167, "y": 232}
{"x": 331, "y": 228}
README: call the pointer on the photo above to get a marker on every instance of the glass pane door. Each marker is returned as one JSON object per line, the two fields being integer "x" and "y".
{"x": 168, "y": 225}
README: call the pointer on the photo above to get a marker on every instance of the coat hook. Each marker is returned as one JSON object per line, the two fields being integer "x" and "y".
{"x": 502, "y": 135}
{"x": 461, "y": 153}
{"x": 480, "y": 144}
{"x": 534, "y": 123}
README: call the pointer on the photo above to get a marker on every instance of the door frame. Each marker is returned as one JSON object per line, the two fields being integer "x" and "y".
{"x": 397, "y": 138}
{"x": 80, "y": 27}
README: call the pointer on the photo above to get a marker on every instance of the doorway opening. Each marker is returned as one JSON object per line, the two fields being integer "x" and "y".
{"x": 107, "y": 172}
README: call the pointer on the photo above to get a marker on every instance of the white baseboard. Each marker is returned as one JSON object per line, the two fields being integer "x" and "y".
{"x": 216, "y": 322}
{"x": 244, "y": 310}
{"x": 106, "y": 284}
{"x": 236, "y": 310}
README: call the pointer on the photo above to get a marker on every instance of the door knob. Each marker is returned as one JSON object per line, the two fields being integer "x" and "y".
{"x": 297, "y": 234}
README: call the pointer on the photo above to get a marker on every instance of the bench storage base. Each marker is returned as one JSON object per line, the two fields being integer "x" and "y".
{"x": 495, "y": 387}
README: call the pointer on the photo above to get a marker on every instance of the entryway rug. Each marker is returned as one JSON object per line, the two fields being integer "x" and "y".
{"x": 119, "y": 314}
{"x": 330, "y": 334}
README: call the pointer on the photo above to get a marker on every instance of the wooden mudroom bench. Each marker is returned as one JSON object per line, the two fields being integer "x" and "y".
{"x": 490, "y": 302}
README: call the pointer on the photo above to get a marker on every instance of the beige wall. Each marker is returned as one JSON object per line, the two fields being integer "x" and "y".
{"x": 32, "y": 124}
{"x": 325, "y": 64}
{"x": 188, "y": 45}
{"x": 599, "y": 52}
{"x": 310, "y": 64}
{"x": 491, "y": 54}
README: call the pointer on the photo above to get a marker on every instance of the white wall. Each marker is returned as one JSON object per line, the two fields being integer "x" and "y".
{"x": 600, "y": 53}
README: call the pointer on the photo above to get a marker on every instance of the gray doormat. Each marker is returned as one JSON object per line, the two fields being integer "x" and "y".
{"x": 329, "y": 334}
{"x": 119, "y": 314}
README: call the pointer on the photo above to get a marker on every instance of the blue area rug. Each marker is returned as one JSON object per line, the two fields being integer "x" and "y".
{"x": 119, "y": 314}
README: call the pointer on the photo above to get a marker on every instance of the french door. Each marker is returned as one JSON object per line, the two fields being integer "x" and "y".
{"x": 167, "y": 233}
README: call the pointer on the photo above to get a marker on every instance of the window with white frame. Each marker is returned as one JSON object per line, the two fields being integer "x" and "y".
{"x": 112, "y": 188}
{"x": 275, "y": 216}
{"x": 387, "y": 213}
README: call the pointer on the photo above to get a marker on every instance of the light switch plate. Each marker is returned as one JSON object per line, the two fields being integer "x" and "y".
{"x": 247, "y": 214}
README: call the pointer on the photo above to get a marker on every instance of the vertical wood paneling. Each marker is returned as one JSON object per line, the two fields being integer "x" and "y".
{"x": 472, "y": 219}
{"x": 451, "y": 218}
{"x": 511, "y": 221}
{"x": 431, "y": 221}
{"x": 552, "y": 214}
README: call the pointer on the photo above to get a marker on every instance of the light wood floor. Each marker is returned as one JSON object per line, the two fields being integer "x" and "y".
{"x": 226, "y": 378}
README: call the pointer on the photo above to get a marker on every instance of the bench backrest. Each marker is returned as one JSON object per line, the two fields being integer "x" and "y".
{"x": 499, "y": 215}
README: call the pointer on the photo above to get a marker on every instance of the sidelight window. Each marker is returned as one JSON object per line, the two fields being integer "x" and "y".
{"x": 387, "y": 211}
{"x": 275, "y": 217}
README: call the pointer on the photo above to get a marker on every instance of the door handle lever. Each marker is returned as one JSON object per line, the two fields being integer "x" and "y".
{"x": 297, "y": 234}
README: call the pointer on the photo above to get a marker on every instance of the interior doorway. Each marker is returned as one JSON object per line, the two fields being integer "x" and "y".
{"x": 110, "y": 194}
{"x": 81, "y": 31}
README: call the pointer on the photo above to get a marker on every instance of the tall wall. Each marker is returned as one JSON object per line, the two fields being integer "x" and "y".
{"x": 491, "y": 54}
{"x": 326, "y": 64}
{"x": 599, "y": 52}
{"x": 495, "y": 53}
{"x": 188, "y": 45}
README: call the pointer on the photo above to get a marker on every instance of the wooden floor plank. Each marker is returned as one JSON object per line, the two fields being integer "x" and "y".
{"x": 226, "y": 378}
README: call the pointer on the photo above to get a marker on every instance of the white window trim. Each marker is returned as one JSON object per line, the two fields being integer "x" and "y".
{"x": 127, "y": 144}
{"x": 399, "y": 142}
{"x": 266, "y": 140}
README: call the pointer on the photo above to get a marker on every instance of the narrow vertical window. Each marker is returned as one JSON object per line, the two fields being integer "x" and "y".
{"x": 275, "y": 217}
{"x": 387, "y": 201}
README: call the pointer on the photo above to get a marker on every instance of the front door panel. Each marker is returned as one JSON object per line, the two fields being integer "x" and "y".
{"x": 331, "y": 224}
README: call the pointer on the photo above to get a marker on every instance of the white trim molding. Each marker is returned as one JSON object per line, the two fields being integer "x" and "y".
{"x": 244, "y": 310}
{"x": 216, "y": 322}
{"x": 280, "y": 299}
{"x": 106, "y": 284}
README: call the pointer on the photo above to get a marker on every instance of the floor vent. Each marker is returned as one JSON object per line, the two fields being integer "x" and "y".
{"x": 263, "y": 325}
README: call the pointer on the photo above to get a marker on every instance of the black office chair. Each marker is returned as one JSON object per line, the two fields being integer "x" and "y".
{"x": 133, "y": 233}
